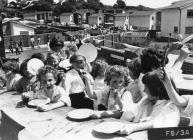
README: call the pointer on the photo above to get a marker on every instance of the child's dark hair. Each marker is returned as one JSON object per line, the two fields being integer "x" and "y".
{"x": 39, "y": 56}
{"x": 47, "y": 69}
{"x": 117, "y": 71}
{"x": 99, "y": 68}
{"x": 23, "y": 66}
{"x": 151, "y": 59}
{"x": 155, "y": 85}
{"x": 76, "y": 57}
{"x": 12, "y": 66}
{"x": 135, "y": 67}
{"x": 55, "y": 42}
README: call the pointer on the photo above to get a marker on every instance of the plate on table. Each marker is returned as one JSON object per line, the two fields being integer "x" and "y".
{"x": 80, "y": 114}
{"x": 108, "y": 127}
{"x": 38, "y": 102}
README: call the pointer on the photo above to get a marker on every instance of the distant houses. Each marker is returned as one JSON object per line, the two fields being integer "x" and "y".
{"x": 145, "y": 20}
{"x": 39, "y": 15}
{"x": 96, "y": 19}
{"x": 19, "y": 27}
{"x": 66, "y": 18}
{"x": 177, "y": 18}
{"x": 121, "y": 19}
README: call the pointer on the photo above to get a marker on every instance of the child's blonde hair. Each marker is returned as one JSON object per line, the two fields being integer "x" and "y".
{"x": 47, "y": 69}
{"x": 117, "y": 71}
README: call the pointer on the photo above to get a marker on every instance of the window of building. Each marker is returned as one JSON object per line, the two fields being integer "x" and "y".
{"x": 152, "y": 18}
{"x": 50, "y": 14}
{"x": 38, "y": 17}
{"x": 99, "y": 18}
{"x": 189, "y": 30}
{"x": 175, "y": 29}
{"x": 190, "y": 13}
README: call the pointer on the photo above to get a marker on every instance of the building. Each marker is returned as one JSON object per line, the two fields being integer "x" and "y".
{"x": 85, "y": 13}
{"x": 96, "y": 19}
{"x": 39, "y": 15}
{"x": 145, "y": 20}
{"x": 177, "y": 18}
{"x": 121, "y": 19}
{"x": 19, "y": 27}
{"x": 66, "y": 18}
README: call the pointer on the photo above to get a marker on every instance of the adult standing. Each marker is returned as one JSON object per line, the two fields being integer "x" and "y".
{"x": 39, "y": 41}
{"x": 32, "y": 42}
{"x": 48, "y": 43}
{"x": 20, "y": 45}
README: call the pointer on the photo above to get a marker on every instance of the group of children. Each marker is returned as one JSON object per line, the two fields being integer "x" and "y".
{"x": 18, "y": 46}
{"x": 143, "y": 92}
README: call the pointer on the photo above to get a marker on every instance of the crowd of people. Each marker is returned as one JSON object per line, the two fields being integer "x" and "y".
{"x": 17, "y": 46}
{"x": 143, "y": 91}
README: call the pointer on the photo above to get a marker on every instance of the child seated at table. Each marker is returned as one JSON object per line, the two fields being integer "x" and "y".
{"x": 134, "y": 70}
{"x": 57, "y": 95}
{"x": 75, "y": 83}
{"x": 155, "y": 110}
{"x": 53, "y": 60}
{"x": 115, "y": 98}
{"x": 183, "y": 102}
{"x": 28, "y": 70}
{"x": 99, "y": 68}
{"x": 12, "y": 76}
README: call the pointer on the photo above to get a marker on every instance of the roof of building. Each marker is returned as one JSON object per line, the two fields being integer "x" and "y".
{"x": 82, "y": 11}
{"x": 37, "y": 12}
{"x": 178, "y": 4}
{"x": 26, "y": 23}
{"x": 66, "y": 14}
{"x": 122, "y": 14}
{"x": 142, "y": 13}
{"x": 96, "y": 15}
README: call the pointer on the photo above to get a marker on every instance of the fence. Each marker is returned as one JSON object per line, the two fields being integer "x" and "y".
{"x": 111, "y": 50}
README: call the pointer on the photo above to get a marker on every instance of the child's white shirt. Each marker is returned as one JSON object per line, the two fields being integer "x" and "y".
{"x": 106, "y": 97}
{"x": 57, "y": 90}
{"x": 163, "y": 113}
{"x": 188, "y": 110}
{"x": 133, "y": 87}
{"x": 74, "y": 83}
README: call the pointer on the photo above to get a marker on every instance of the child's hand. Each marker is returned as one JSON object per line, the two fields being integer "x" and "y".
{"x": 62, "y": 75}
{"x": 25, "y": 96}
{"x": 43, "y": 108}
{"x": 96, "y": 114}
{"x": 56, "y": 98}
{"x": 126, "y": 129}
{"x": 86, "y": 76}
{"x": 175, "y": 46}
{"x": 163, "y": 75}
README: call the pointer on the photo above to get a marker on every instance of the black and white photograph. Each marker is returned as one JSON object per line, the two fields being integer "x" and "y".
{"x": 96, "y": 69}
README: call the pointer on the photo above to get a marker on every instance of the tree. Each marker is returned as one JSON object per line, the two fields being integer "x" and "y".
{"x": 94, "y": 4}
{"x": 115, "y": 5}
{"x": 121, "y": 4}
{"x": 65, "y": 7}
{"x": 38, "y": 5}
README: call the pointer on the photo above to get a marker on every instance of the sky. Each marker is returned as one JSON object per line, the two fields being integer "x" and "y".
{"x": 147, "y": 3}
